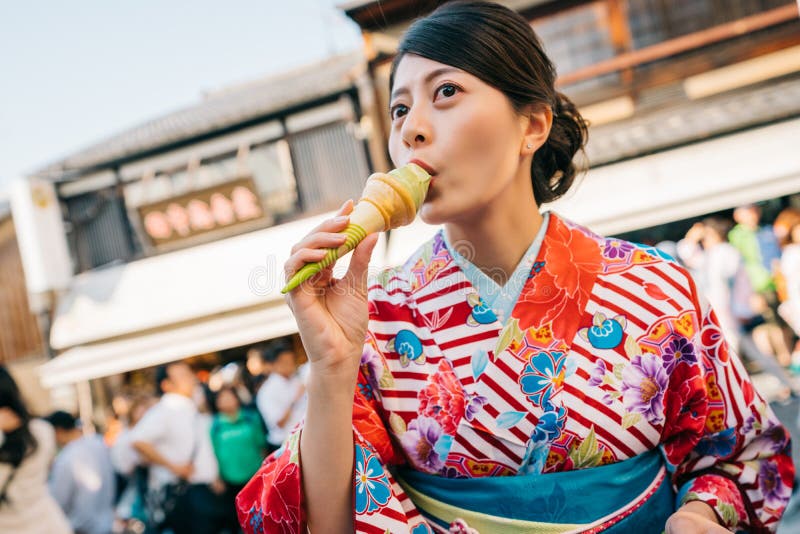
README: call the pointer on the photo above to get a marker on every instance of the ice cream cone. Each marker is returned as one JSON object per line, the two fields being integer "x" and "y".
{"x": 388, "y": 201}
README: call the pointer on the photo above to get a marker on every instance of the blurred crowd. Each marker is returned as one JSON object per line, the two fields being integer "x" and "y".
{"x": 169, "y": 462}
{"x": 750, "y": 273}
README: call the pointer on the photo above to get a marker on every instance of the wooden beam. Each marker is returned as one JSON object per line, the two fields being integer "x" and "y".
{"x": 682, "y": 44}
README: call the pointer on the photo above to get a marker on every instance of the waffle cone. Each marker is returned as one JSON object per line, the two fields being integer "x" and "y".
{"x": 388, "y": 201}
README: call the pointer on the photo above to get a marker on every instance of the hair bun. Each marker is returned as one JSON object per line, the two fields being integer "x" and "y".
{"x": 553, "y": 167}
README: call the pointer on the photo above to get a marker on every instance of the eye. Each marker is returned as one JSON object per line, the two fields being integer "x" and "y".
{"x": 398, "y": 111}
{"x": 447, "y": 90}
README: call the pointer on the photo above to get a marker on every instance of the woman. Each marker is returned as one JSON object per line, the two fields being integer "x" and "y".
{"x": 130, "y": 511}
{"x": 239, "y": 444}
{"x": 27, "y": 446}
{"x": 790, "y": 267}
{"x": 512, "y": 343}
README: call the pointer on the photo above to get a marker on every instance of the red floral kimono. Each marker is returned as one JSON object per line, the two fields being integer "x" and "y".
{"x": 607, "y": 354}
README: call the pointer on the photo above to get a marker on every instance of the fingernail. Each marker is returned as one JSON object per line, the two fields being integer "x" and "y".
{"x": 340, "y": 218}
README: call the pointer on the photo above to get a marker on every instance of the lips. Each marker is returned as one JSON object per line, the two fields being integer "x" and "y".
{"x": 430, "y": 170}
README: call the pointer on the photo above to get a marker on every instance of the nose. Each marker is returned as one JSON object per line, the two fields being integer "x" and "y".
{"x": 416, "y": 129}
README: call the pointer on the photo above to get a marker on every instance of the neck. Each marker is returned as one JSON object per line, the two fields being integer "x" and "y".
{"x": 72, "y": 436}
{"x": 496, "y": 239}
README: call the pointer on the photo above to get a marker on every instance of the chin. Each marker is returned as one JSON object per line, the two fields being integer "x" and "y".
{"x": 431, "y": 215}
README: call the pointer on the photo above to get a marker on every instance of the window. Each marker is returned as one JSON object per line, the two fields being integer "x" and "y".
{"x": 331, "y": 166}
{"x": 576, "y": 38}
{"x": 653, "y": 21}
{"x": 99, "y": 231}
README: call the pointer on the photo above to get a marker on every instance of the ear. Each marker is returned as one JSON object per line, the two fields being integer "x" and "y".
{"x": 537, "y": 122}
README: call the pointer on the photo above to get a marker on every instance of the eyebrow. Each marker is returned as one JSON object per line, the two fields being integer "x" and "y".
{"x": 431, "y": 75}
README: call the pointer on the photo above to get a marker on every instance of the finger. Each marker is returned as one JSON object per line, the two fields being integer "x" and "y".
{"x": 356, "y": 276}
{"x": 310, "y": 290}
{"x": 322, "y": 278}
{"x": 346, "y": 208}
{"x": 341, "y": 214}
{"x": 320, "y": 240}
{"x": 300, "y": 258}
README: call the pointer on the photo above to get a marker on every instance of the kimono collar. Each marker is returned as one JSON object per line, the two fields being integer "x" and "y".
{"x": 500, "y": 299}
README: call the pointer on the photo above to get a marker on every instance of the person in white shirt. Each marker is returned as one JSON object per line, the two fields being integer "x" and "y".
{"x": 82, "y": 478}
{"x": 173, "y": 438}
{"x": 27, "y": 447}
{"x": 790, "y": 267}
{"x": 281, "y": 400}
{"x": 721, "y": 276}
{"x": 719, "y": 271}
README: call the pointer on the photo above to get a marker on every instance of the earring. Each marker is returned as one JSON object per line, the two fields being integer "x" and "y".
{"x": 530, "y": 146}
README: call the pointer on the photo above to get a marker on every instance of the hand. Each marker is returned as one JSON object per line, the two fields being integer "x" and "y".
{"x": 331, "y": 313}
{"x": 694, "y": 517}
{"x": 9, "y": 420}
{"x": 217, "y": 487}
{"x": 696, "y": 232}
{"x": 182, "y": 471}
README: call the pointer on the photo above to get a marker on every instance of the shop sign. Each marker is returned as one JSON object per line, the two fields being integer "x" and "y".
{"x": 202, "y": 211}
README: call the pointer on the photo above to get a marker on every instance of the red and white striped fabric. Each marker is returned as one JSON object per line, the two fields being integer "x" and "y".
{"x": 608, "y": 353}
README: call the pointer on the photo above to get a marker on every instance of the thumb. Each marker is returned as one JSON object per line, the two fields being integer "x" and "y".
{"x": 356, "y": 276}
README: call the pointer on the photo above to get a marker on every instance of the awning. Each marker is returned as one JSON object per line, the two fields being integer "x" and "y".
{"x": 146, "y": 349}
{"x": 204, "y": 299}
{"x": 219, "y": 277}
{"x": 757, "y": 164}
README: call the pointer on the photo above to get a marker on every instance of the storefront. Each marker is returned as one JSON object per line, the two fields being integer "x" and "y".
{"x": 174, "y": 234}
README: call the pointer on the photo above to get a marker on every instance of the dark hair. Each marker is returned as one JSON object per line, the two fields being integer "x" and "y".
{"x": 161, "y": 375}
{"x": 229, "y": 388}
{"x": 61, "y": 419}
{"x": 271, "y": 353}
{"x": 19, "y": 443}
{"x": 719, "y": 226}
{"x": 497, "y": 45}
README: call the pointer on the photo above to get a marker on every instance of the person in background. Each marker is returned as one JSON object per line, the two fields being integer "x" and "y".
{"x": 174, "y": 440}
{"x": 239, "y": 441}
{"x": 758, "y": 246}
{"x": 130, "y": 508}
{"x": 719, "y": 271}
{"x": 760, "y": 250}
{"x": 82, "y": 477}
{"x": 790, "y": 307}
{"x": 783, "y": 224}
{"x": 27, "y": 447}
{"x": 258, "y": 369}
{"x": 281, "y": 400}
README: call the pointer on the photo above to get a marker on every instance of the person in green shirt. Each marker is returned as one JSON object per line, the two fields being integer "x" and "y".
{"x": 761, "y": 253}
{"x": 240, "y": 445}
{"x": 758, "y": 246}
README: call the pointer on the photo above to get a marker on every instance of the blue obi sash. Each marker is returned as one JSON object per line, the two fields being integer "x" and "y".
{"x": 632, "y": 495}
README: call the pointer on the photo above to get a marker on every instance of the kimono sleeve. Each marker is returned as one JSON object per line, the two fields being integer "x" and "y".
{"x": 722, "y": 441}
{"x": 273, "y": 500}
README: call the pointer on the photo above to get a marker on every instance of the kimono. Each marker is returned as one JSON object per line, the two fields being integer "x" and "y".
{"x": 599, "y": 395}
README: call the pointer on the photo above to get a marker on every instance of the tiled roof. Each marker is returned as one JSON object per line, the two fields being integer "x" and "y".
{"x": 688, "y": 121}
{"x": 219, "y": 110}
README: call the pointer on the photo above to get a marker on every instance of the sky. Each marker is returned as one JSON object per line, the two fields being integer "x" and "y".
{"x": 75, "y": 72}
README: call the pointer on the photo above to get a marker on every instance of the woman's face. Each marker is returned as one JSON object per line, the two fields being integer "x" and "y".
{"x": 462, "y": 129}
{"x": 227, "y": 401}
